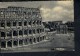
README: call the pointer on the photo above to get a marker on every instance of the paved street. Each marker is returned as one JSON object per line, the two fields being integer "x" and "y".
{"x": 56, "y": 41}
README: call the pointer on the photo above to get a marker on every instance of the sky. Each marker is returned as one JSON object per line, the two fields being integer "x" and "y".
{"x": 50, "y": 10}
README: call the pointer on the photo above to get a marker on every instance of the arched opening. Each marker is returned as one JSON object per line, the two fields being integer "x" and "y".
{"x": 26, "y": 41}
{"x": 9, "y": 24}
{"x": 9, "y": 43}
{"x": 34, "y": 40}
{"x": 30, "y": 31}
{"x": 37, "y": 30}
{"x": 3, "y": 34}
{"x": 38, "y": 39}
{"x": 30, "y": 40}
{"x": 15, "y": 42}
{"x": 21, "y": 42}
{"x": 20, "y": 23}
{"x": 15, "y": 33}
{"x": 3, "y": 44}
{"x": 20, "y": 32}
{"x": 40, "y": 30}
{"x": 25, "y": 23}
{"x": 33, "y": 31}
{"x": 29, "y": 22}
{"x": 14, "y": 23}
{"x": 25, "y": 32}
{"x": 9, "y": 34}
{"x": 2, "y": 24}
{"x": 40, "y": 22}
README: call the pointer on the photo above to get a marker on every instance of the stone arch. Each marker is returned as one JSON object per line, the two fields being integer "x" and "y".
{"x": 8, "y": 23}
{"x": 25, "y": 31}
{"x": 20, "y": 32}
{"x": 25, "y": 41}
{"x": 34, "y": 40}
{"x": 14, "y": 23}
{"x": 15, "y": 42}
{"x": 3, "y": 34}
{"x": 25, "y": 23}
{"x": 20, "y": 23}
{"x": 29, "y": 22}
{"x": 33, "y": 31}
{"x": 30, "y": 31}
{"x": 30, "y": 40}
{"x": 40, "y": 38}
{"x": 3, "y": 44}
{"x": 20, "y": 41}
{"x": 9, "y": 43}
{"x": 15, "y": 33}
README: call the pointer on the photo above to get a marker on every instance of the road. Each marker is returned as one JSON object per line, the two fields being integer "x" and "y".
{"x": 55, "y": 41}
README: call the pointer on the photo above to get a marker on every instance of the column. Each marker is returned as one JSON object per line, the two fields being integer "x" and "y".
{"x": 32, "y": 37}
{"x": 0, "y": 41}
{"x": 11, "y": 23}
{"x": 39, "y": 39}
{"x": 23, "y": 42}
{"x": 32, "y": 40}
{"x": 12, "y": 43}
{"x": 5, "y": 30}
{"x": 0, "y": 23}
{"x": 28, "y": 41}
{"x": 39, "y": 30}
{"x": 6, "y": 44}
{"x": 31, "y": 22}
{"x": 23, "y": 32}
{"x": 35, "y": 23}
{"x": 12, "y": 33}
{"x": 0, "y": 35}
{"x": 17, "y": 23}
{"x": 18, "y": 33}
{"x": 27, "y": 23}
{"x": 36, "y": 39}
{"x": 5, "y": 34}
{"x": 18, "y": 42}
{"x": 66, "y": 29}
{"x": 23, "y": 27}
{"x": 28, "y": 32}
{"x": 5, "y": 23}
{"x": 36, "y": 30}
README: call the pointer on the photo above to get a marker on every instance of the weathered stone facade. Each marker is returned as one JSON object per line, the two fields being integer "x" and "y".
{"x": 20, "y": 26}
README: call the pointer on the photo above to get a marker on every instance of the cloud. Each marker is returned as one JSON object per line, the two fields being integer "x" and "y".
{"x": 57, "y": 9}
{"x": 50, "y": 10}
{"x": 65, "y": 3}
{"x": 45, "y": 10}
{"x": 61, "y": 11}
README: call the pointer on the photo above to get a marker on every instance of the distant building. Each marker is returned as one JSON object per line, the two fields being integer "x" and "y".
{"x": 51, "y": 25}
{"x": 20, "y": 26}
{"x": 62, "y": 29}
{"x": 70, "y": 26}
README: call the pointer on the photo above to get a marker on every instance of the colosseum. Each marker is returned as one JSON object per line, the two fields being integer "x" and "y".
{"x": 20, "y": 26}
